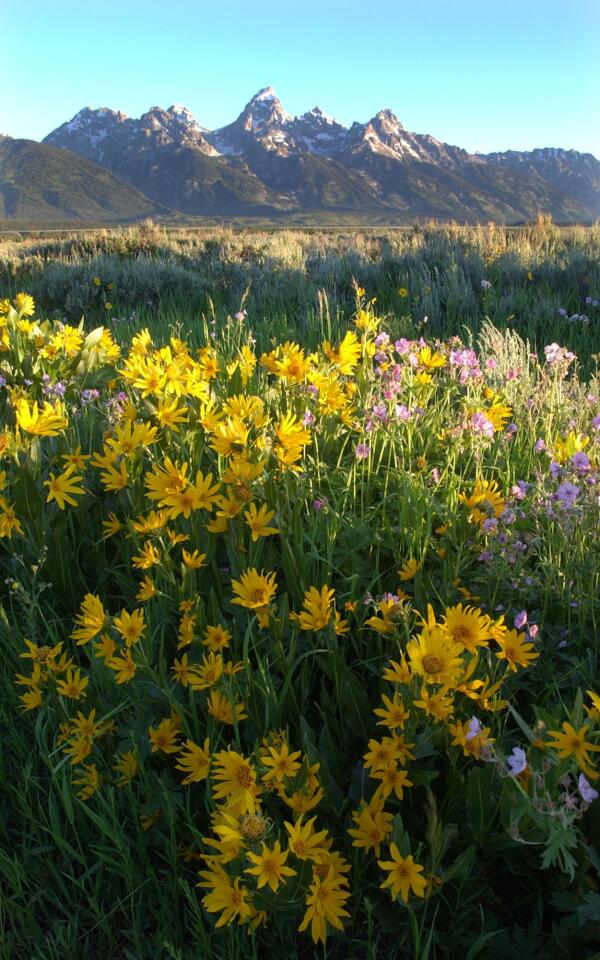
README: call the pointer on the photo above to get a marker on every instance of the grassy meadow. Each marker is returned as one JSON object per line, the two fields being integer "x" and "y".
{"x": 298, "y": 284}
{"x": 300, "y": 550}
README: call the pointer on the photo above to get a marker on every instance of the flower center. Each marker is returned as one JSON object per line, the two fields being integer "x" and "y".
{"x": 253, "y": 827}
{"x": 244, "y": 777}
{"x": 432, "y": 663}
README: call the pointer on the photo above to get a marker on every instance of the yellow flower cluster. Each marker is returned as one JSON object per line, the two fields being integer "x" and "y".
{"x": 195, "y": 481}
{"x": 246, "y": 846}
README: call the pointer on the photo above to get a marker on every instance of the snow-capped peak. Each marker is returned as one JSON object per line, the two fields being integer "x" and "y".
{"x": 263, "y": 112}
{"x": 267, "y": 93}
{"x": 388, "y": 120}
{"x": 185, "y": 116}
{"x": 89, "y": 116}
{"x": 266, "y": 106}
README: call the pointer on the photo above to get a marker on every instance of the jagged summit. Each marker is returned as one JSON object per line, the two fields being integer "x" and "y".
{"x": 389, "y": 117}
{"x": 177, "y": 121}
{"x": 262, "y": 122}
{"x": 267, "y": 93}
{"x": 91, "y": 114}
{"x": 101, "y": 111}
{"x": 267, "y": 159}
{"x": 264, "y": 109}
{"x": 319, "y": 116}
{"x": 107, "y": 136}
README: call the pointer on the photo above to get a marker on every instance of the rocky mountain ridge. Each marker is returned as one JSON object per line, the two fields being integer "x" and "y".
{"x": 268, "y": 162}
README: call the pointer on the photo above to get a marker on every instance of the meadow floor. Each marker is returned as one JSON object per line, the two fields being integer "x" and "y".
{"x": 300, "y": 543}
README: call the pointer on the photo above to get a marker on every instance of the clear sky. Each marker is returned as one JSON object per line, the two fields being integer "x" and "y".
{"x": 483, "y": 74}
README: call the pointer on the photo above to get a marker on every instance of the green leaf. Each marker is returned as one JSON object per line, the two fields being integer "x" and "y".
{"x": 480, "y": 806}
{"x": 463, "y": 864}
{"x": 27, "y": 499}
{"x": 561, "y": 841}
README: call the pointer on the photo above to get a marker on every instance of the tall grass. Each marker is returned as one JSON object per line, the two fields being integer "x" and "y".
{"x": 296, "y": 283}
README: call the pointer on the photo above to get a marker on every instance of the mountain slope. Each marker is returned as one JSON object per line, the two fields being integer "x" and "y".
{"x": 576, "y": 174}
{"x": 41, "y": 183}
{"x": 166, "y": 155}
{"x": 268, "y": 162}
{"x": 185, "y": 179}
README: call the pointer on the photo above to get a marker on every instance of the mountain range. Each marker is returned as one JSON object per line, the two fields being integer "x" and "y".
{"x": 103, "y": 165}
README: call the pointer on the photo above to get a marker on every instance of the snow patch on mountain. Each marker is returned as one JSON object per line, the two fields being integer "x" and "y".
{"x": 267, "y": 93}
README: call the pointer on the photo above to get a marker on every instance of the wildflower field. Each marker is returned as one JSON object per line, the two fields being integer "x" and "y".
{"x": 300, "y": 567}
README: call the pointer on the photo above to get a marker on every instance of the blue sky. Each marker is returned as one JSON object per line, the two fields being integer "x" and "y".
{"x": 485, "y": 75}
